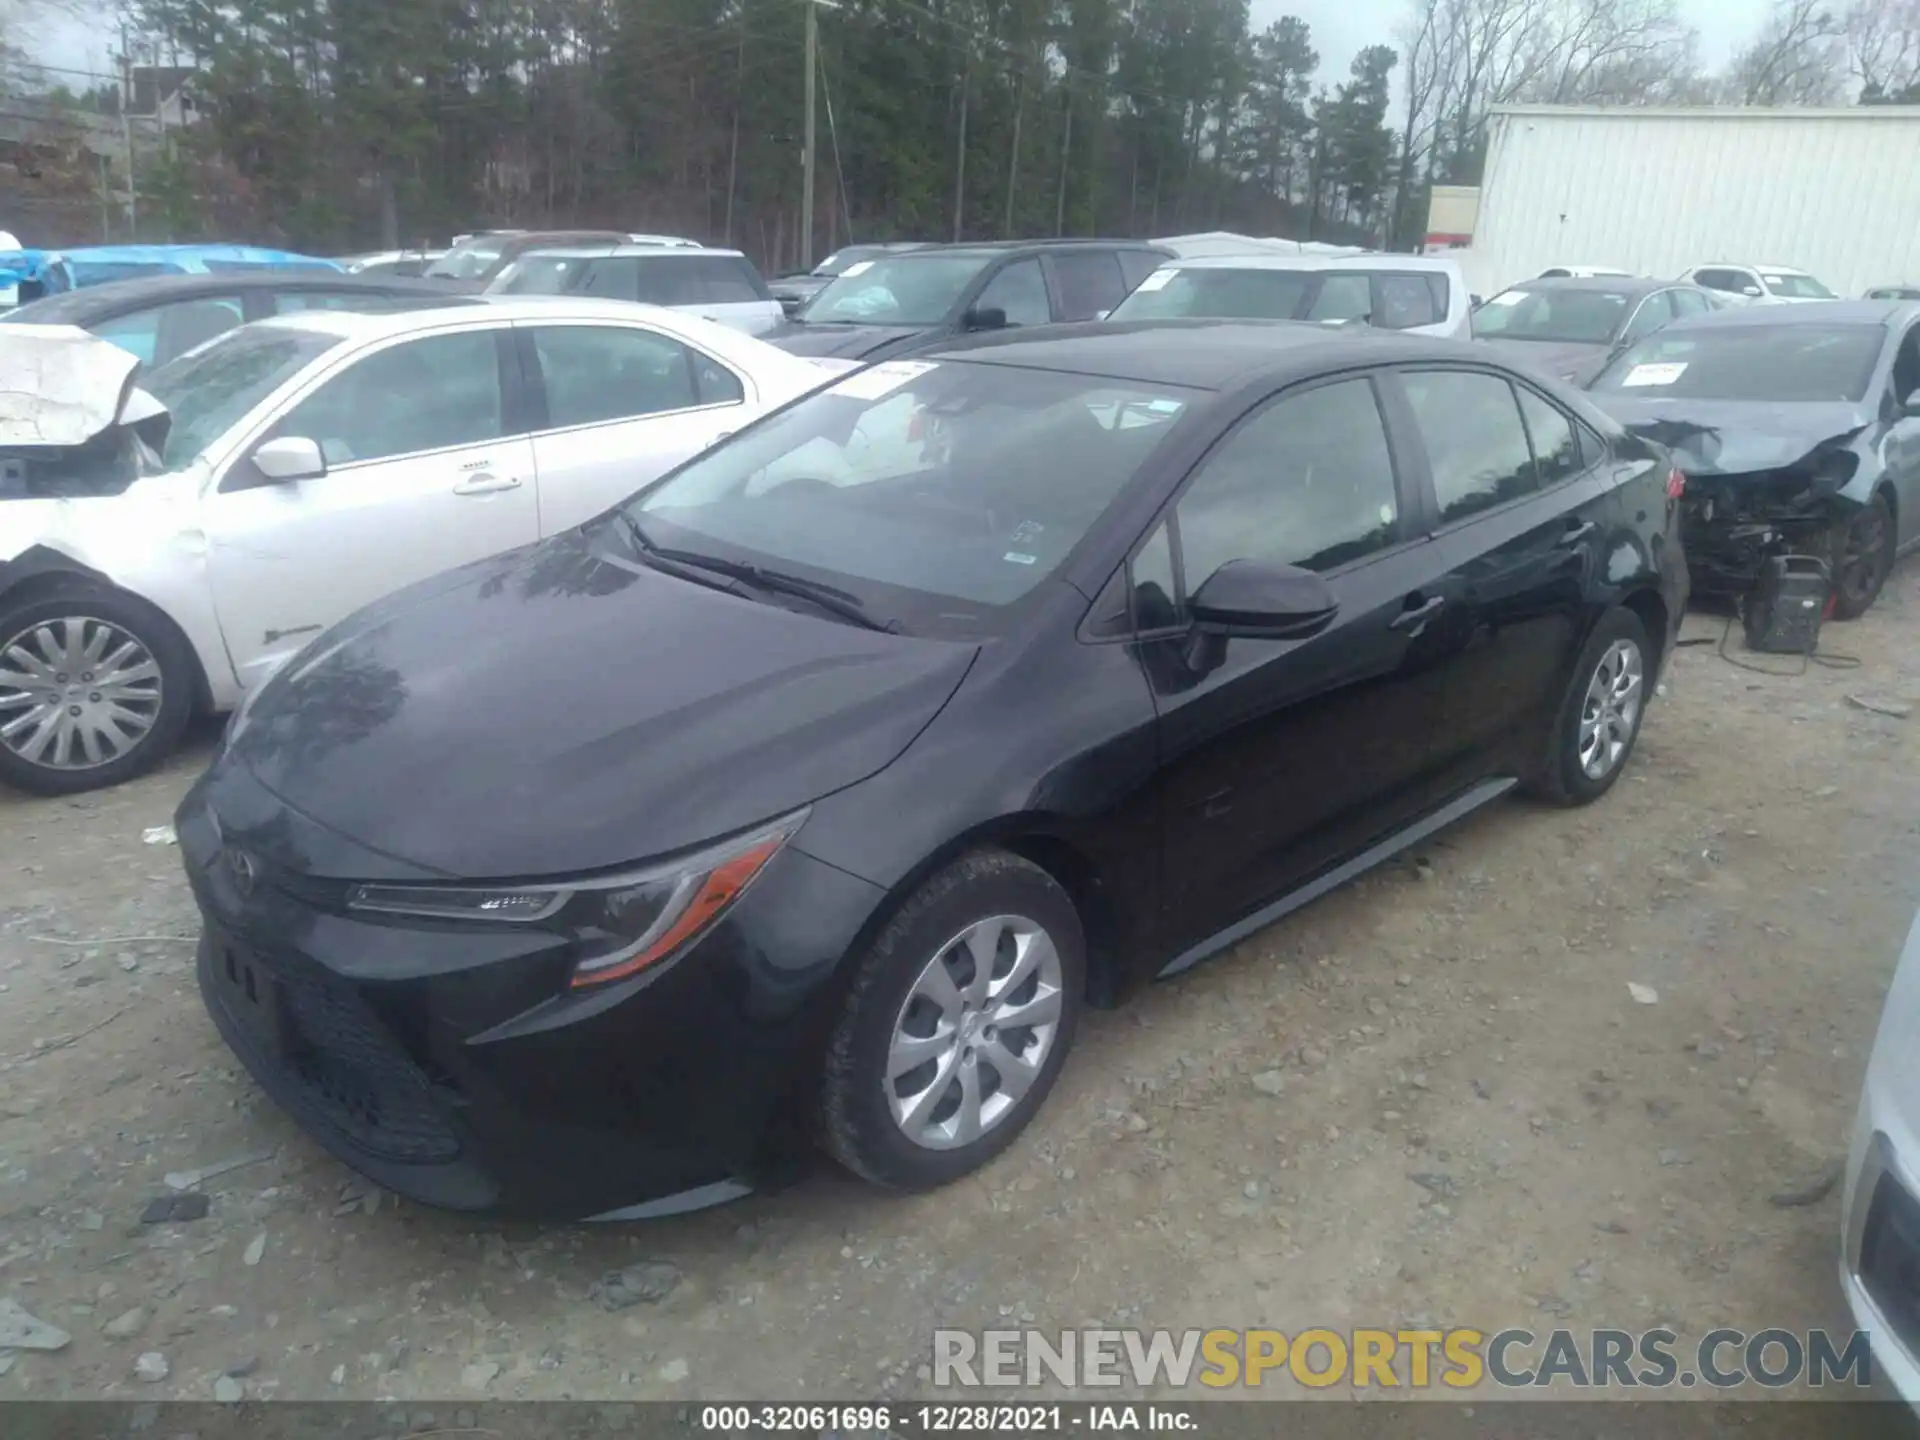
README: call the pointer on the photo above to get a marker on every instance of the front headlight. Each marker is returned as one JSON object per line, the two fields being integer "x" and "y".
{"x": 619, "y": 924}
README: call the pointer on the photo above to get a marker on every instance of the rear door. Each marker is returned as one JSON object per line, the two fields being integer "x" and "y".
{"x": 1525, "y": 508}
{"x": 1283, "y": 756}
{"x": 617, "y": 406}
{"x": 425, "y": 472}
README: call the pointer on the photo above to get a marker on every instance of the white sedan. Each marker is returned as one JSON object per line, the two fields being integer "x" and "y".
{"x": 313, "y": 464}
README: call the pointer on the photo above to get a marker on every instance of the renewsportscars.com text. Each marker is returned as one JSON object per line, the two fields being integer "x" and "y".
{"x": 1455, "y": 1359}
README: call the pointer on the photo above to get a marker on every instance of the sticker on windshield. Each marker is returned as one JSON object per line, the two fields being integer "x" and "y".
{"x": 1664, "y": 374}
{"x": 1508, "y": 297}
{"x": 859, "y": 267}
{"x": 1157, "y": 280}
{"x": 880, "y": 380}
{"x": 1016, "y": 558}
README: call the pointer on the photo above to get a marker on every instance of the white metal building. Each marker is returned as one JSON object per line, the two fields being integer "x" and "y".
{"x": 1833, "y": 192}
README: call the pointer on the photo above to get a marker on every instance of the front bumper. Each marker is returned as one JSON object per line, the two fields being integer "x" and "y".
{"x": 1727, "y": 546}
{"x": 451, "y": 1063}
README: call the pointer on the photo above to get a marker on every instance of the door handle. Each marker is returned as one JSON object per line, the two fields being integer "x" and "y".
{"x": 484, "y": 483}
{"x": 1577, "y": 530}
{"x": 1414, "y": 615}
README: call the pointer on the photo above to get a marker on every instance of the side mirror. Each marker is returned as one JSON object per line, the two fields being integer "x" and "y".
{"x": 1752, "y": 290}
{"x": 1474, "y": 302}
{"x": 1256, "y": 598}
{"x": 1912, "y": 405}
{"x": 289, "y": 458}
{"x": 985, "y": 317}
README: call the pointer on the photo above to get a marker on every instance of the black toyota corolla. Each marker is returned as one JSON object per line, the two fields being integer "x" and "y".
{"x": 811, "y": 794}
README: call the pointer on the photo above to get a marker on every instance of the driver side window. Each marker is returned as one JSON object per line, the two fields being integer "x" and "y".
{"x": 1654, "y": 312}
{"x": 430, "y": 394}
{"x": 1308, "y": 481}
{"x": 1021, "y": 291}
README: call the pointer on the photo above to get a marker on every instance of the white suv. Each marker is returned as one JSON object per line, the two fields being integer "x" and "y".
{"x": 1420, "y": 294}
{"x": 719, "y": 285}
{"x": 313, "y": 463}
{"x": 1759, "y": 284}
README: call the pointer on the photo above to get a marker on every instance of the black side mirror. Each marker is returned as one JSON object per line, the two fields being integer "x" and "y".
{"x": 1256, "y": 598}
{"x": 1912, "y": 405}
{"x": 985, "y": 317}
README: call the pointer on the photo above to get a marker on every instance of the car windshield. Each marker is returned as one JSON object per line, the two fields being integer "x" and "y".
{"x": 1585, "y": 317}
{"x": 210, "y": 389}
{"x": 470, "y": 259}
{"x": 1169, "y": 294}
{"x": 1795, "y": 287}
{"x": 839, "y": 262}
{"x": 1749, "y": 362}
{"x": 935, "y": 491}
{"x": 895, "y": 290}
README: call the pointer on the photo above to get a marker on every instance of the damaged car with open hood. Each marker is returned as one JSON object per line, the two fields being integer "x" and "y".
{"x": 1798, "y": 431}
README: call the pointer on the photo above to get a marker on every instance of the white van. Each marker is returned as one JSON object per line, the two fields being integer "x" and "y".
{"x": 1421, "y": 294}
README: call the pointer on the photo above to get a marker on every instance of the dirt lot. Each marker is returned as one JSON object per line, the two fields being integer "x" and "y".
{"x": 1235, "y": 1148}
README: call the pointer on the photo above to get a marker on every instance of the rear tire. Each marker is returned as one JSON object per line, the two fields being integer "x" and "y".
{"x": 1862, "y": 558}
{"x": 926, "y": 1078}
{"x": 1600, "y": 715}
{"x": 95, "y": 688}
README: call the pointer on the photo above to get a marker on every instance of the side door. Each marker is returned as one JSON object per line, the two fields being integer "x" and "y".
{"x": 1086, "y": 283}
{"x": 1525, "y": 509}
{"x": 617, "y": 406}
{"x": 1281, "y": 757}
{"x": 427, "y": 468}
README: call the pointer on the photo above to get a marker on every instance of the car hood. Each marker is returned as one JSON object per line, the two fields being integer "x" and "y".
{"x": 1562, "y": 359}
{"x": 1736, "y": 437}
{"x": 852, "y": 342}
{"x": 60, "y": 387}
{"x": 562, "y": 708}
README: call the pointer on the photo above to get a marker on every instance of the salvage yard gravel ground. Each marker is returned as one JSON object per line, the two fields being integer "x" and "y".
{"x": 1587, "y": 1067}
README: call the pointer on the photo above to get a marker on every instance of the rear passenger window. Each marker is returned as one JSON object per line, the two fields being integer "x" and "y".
{"x": 1405, "y": 301}
{"x": 1343, "y": 297}
{"x": 1136, "y": 265}
{"x": 725, "y": 280}
{"x": 1090, "y": 282}
{"x": 1476, "y": 444}
{"x": 1556, "y": 452}
{"x": 613, "y": 279}
{"x": 714, "y": 383}
{"x": 594, "y": 373}
{"x": 1307, "y": 481}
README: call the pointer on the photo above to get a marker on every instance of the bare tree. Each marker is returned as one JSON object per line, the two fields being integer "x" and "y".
{"x": 1883, "y": 49}
{"x": 1799, "y": 58}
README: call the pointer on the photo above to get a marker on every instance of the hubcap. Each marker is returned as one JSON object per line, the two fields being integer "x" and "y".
{"x": 974, "y": 1032}
{"x": 1611, "y": 709}
{"x": 76, "y": 693}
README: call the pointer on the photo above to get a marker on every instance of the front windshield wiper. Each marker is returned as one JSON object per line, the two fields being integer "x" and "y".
{"x": 826, "y": 597}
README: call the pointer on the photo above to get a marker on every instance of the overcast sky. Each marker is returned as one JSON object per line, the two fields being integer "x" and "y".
{"x": 1340, "y": 29}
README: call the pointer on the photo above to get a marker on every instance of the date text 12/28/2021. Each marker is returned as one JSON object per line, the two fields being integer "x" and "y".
{"x": 964, "y": 1418}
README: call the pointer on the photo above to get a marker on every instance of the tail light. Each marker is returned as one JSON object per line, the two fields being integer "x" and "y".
{"x": 1676, "y": 484}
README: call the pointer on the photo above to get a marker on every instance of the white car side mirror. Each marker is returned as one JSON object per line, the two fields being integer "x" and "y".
{"x": 289, "y": 458}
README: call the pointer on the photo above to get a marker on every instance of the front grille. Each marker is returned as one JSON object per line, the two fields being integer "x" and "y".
{"x": 335, "y": 1062}
{"x": 1890, "y": 1258}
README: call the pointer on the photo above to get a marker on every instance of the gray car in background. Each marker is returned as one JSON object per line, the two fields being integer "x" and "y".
{"x": 1568, "y": 327}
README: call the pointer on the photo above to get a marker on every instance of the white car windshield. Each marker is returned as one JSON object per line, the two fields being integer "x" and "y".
{"x": 931, "y": 488}
{"x": 211, "y": 389}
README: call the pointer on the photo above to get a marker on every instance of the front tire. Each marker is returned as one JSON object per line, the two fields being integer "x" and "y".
{"x": 1862, "y": 558}
{"x": 958, "y": 1019}
{"x": 1599, "y": 718}
{"x": 95, "y": 688}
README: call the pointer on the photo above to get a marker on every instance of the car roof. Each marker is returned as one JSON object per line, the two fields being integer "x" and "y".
{"x": 1756, "y": 265}
{"x": 994, "y": 249}
{"x": 1198, "y": 354}
{"x": 1634, "y": 285}
{"x": 1812, "y": 312}
{"x": 73, "y": 305}
{"x": 1372, "y": 260}
{"x": 624, "y": 251}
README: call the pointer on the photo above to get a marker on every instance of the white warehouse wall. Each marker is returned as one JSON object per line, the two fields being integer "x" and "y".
{"x": 1834, "y": 192}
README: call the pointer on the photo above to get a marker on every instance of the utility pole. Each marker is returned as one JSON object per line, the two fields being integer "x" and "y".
{"x": 806, "y": 144}
{"x": 126, "y": 133}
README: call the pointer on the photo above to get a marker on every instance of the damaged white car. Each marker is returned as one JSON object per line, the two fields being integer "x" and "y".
{"x": 164, "y": 546}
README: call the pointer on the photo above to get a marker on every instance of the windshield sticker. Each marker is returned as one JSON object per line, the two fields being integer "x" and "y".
{"x": 1157, "y": 280}
{"x": 859, "y": 267}
{"x": 1165, "y": 407}
{"x": 1655, "y": 374}
{"x": 1016, "y": 558}
{"x": 880, "y": 380}
{"x": 1508, "y": 297}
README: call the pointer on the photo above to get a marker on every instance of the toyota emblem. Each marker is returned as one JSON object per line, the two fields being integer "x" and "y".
{"x": 241, "y": 864}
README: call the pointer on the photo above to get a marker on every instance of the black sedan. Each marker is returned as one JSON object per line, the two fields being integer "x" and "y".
{"x": 161, "y": 318}
{"x": 817, "y": 789}
{"x": 1798, "y": 428}
{"x": 1568, "y": 328}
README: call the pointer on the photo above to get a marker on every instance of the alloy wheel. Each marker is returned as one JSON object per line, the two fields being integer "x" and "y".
{"x": 974, "y": 1032}
{"x": 76, "y": 692}
{"x": 1862, "y": 554}
{"x": 1611, "y": 709}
